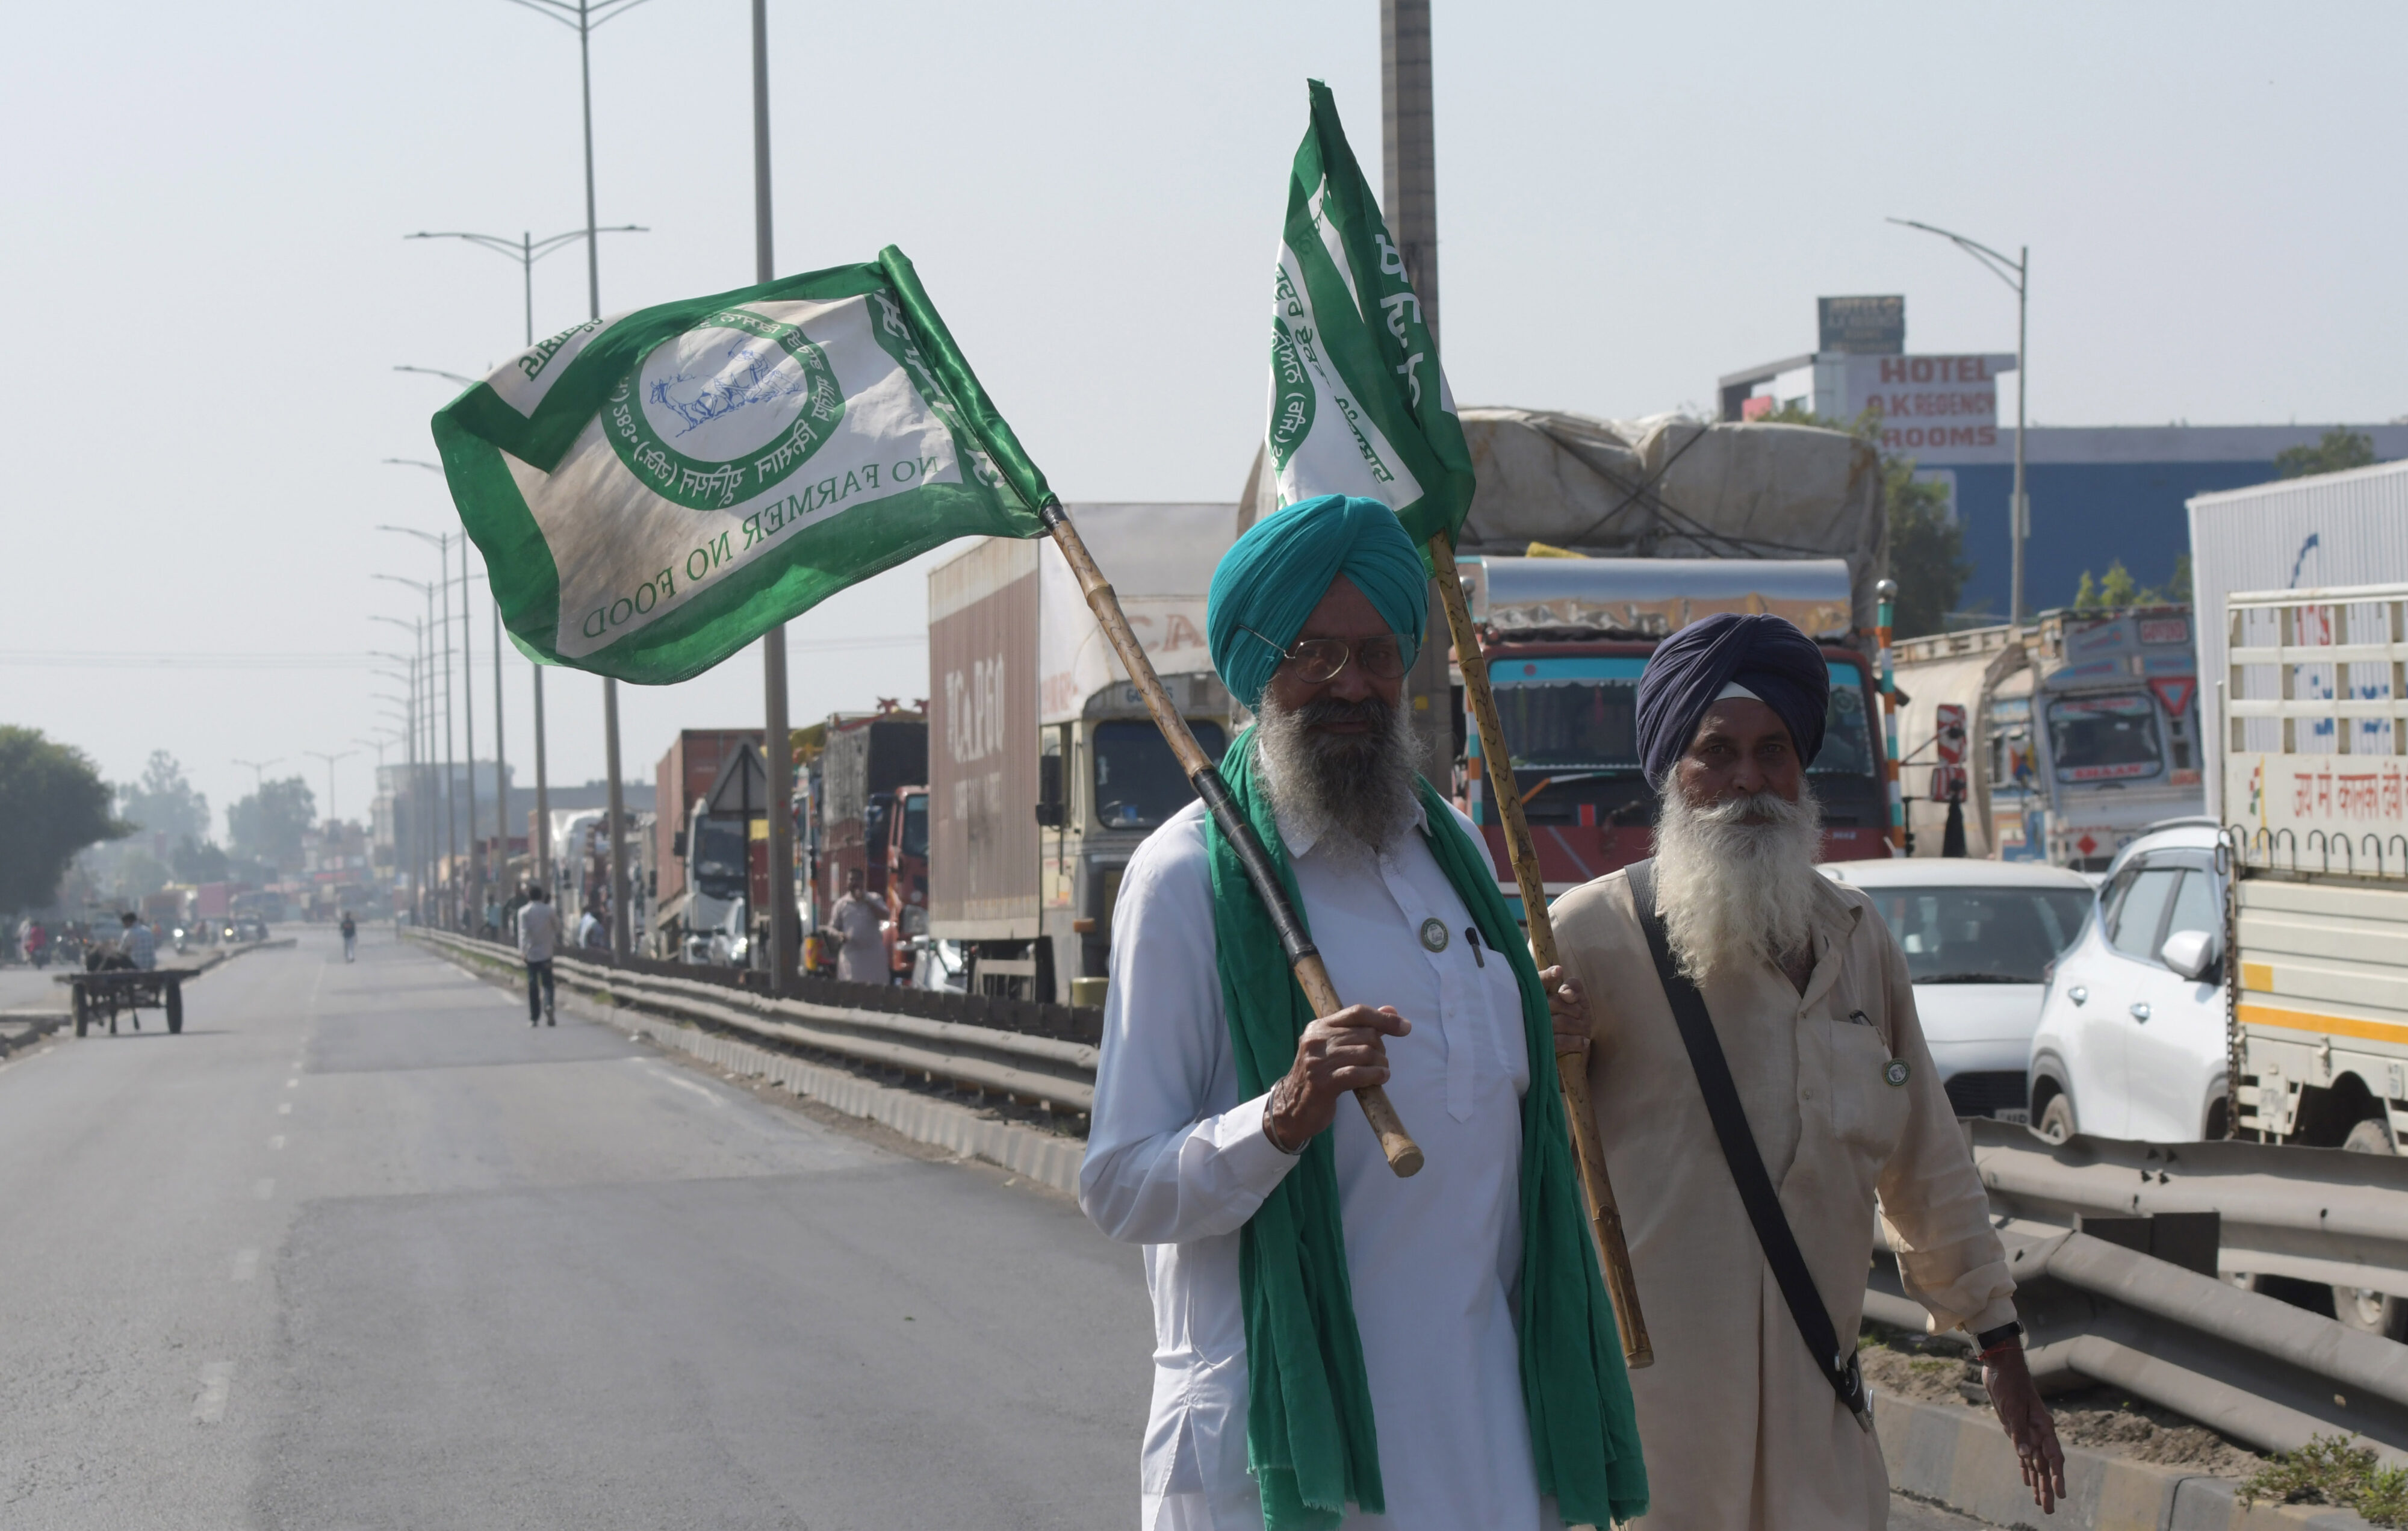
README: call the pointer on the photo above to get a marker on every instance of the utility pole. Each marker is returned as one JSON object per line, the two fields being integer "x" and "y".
{"x": 1408, "y": 205}
{"x": 468, "y": 724}
{"x": 501, "y": 772}
{"x": 778, "y": 739}
{"x": 320, "y": 754}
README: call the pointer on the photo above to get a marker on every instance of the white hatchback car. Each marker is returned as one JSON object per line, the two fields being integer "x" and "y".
{"x": 1979, "y": 936}
{"x": 2131, "y": 1039}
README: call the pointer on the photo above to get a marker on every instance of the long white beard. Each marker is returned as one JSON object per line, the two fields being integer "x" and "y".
{"x": 1352, "y": 790}
{"x": 1734, "y": 892}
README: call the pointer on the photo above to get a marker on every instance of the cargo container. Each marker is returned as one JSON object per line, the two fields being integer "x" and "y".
{"x": 866, "y": 760}
{"x": 1045, "y": 771}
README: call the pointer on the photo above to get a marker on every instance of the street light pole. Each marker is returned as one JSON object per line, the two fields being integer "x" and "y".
{"x": 421, "y": 820}
{"x": 526, "y": 249}
{"x": 258, "y": 767}
{"x": 2019, "y": 510}
{"x": 320, "y": 754}
{"x": 777, "y": 738}
{"x": 583, "y": 17}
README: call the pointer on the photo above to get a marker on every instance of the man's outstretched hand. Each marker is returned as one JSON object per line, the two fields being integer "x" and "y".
{"x": 2027, "y": 1424}
{"x": 1337, "y": 1055}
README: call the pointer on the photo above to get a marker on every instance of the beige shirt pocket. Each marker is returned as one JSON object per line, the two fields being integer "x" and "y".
{"x": 1867, "y": 1112}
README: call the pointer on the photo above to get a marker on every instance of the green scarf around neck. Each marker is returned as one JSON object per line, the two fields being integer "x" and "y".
{"x": 1311, "y": 1442}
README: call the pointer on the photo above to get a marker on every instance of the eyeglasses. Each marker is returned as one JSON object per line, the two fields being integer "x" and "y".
{"x": 1318, "y": 661}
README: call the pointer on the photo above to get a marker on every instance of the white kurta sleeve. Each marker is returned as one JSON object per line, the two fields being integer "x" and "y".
{"x": 1172, "y": 1154}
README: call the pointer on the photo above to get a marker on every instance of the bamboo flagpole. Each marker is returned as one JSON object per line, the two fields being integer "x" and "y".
{"x": 1571, "y": 1065}
{"x": 1403, "y": 1154}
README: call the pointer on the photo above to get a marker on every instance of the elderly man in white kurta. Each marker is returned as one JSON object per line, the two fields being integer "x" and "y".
{"x": 1314, "y": 615}
{"x": 1808, "y": 996}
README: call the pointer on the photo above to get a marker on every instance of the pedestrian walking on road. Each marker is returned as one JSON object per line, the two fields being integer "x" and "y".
{"x": 141, "y": 943}
{"x": 351, "y": 937}
{"x": 538, "y": 934}
{"x": 1364, "y": 1342}
{"x": 1751, "y": 1025}
{"x": 861, "y": 950}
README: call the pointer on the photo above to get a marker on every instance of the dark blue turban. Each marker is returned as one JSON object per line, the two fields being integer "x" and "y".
{"x": 1767, "y": 655}
{"x": 1268, "y": 583}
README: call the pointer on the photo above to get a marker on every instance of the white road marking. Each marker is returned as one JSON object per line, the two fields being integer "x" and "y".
{"x": 285, "y": 1110}
{"x": 277, "y": 1141}
{"x": 217, "y": 1380}
{"x": 264, "y": 1188}
{"x": 246, "y": 1265}
{"x": 667, "y": 1077}
{"x": 292, "y": 1084}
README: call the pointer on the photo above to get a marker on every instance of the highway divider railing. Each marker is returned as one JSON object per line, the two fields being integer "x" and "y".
{"x": 1052, "y": 1072}
{"x": 2319, "y": 1215}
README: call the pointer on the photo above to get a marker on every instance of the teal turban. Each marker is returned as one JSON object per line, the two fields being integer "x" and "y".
{"x": 1268, "y": 583}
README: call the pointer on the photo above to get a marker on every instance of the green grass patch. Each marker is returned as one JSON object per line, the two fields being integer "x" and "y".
{"x": 2329, "y": 1470}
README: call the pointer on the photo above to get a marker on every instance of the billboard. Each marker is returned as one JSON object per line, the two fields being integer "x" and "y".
{"x": 1862, "y": 326}
{"x": 1932, "y": 409}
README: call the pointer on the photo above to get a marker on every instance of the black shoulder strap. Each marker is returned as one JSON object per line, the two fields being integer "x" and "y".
{"x": 1837, "y": 1362}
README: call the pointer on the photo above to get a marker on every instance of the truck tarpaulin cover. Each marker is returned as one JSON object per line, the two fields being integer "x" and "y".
{"x": 1665, "y": 487}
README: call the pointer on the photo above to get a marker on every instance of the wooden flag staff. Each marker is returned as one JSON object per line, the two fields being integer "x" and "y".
{"x": 1403, "y": 1154}
{"x": 1605, "y": 1217}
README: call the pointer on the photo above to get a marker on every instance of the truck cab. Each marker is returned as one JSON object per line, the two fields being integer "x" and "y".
{"x": 1567, "y": 641}
{"x": 2114, "y": 722}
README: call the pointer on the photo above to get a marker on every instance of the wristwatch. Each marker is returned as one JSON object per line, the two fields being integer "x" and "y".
{"x": 1989, "y": 1341}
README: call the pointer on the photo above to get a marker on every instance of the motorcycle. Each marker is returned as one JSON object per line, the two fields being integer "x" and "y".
{"x": 179, "y": 939}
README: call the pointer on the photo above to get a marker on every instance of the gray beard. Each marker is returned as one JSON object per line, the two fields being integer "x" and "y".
{"x": 1357, "y": 788}
{"x": 1733, "y": 892}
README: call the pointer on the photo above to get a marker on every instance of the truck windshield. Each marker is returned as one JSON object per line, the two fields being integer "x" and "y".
{"x": 2104, "y": 739}
{"x": 719, "y": 856}
{"x": 1961, "y": 934}
{"x": 1591, "y": 724}
{"x": 915, "y": 825}
{"x": 1137, "y": 780}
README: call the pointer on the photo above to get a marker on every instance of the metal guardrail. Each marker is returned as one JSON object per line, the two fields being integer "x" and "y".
{"x": 2255, "y": 1368}
{"x": 1041, "y": 1070}
{"x": 2317, "y": 1215}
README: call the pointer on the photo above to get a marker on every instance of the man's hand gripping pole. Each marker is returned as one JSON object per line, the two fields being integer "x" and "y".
{"x": 1571, "y": 1067}
{"x": 1404, "y": 1155}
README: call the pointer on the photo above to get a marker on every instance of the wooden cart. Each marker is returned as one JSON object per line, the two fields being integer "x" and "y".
{"x": 107, "y": 994}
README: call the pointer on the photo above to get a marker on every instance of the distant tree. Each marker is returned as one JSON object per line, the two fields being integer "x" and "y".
{"x": 2176, "y": 590}
{"x": 1927, "y": 545}
{"x": 2338, "y": 450}
{"x": 199, "y": 861}
{"x": 270, "y": 823}
{"x": 52, "y": 804}
{"x": 163, "y": 800}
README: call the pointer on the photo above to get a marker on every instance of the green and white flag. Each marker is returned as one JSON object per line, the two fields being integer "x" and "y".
{"x": 1359, "y": 404}
{"x": 653, "y": 489}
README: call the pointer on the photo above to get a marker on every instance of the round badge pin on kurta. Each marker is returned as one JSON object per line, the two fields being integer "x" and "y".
{"x": 1433, "y": 934}
{"x": 1896, "y": 1070}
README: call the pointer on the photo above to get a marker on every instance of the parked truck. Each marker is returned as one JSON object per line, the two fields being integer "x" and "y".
{"x": 1045, "y": 771}
{"x": 1665, "y": 521}
{"x": 2083, "y": 727}
{"x": 702, "y": 859}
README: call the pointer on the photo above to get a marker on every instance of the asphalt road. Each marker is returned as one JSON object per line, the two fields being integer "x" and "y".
{"x": 360, "y": 1250}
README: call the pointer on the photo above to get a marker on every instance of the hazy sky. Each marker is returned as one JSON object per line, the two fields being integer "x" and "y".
{"x": 208, "y": 289}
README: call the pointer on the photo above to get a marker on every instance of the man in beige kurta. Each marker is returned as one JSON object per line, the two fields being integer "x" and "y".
{"x": 1743, "y": 1428}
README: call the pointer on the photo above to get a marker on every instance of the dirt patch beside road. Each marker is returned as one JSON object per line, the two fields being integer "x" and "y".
{"x": 2097, "y": 1418}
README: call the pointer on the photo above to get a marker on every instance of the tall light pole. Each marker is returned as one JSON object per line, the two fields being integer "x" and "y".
{"x": 528, "y": 251}
{"x": 583, "y": 18}
{"x": 320, "y": 754}
{"x": 258, "y": 767}
{"x": 776, "y": 736}
{"x": 451, "y": 772}
{"x": 421, "y": 823}
{"x": 2017, "y": 275}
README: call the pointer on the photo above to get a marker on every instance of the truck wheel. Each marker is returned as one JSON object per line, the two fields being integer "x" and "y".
{"x": 2371, "y": 1312}
{"x": 82, "y": 1015}
{"x": 174, "y": 1010}
{"x": 2057, "y": 1120}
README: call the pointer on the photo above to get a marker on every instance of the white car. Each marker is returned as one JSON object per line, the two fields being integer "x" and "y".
{"x": 2131, "y": 1039}
{"x": 1979, "y": 936}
